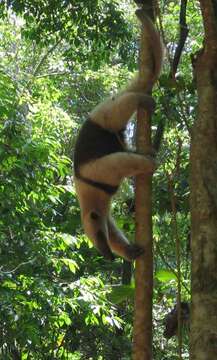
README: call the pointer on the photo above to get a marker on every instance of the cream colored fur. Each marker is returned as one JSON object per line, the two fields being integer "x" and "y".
{"x": 113, "y": 114}
{"x": 111, "y": 169}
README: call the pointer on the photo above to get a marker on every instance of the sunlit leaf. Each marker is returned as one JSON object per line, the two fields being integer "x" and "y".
{"x": 72, "y": 265}
{"x": 120, "y": 293}
{"x": 165, "y": 275}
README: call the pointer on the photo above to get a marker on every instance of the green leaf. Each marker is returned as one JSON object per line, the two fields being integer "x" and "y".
{"x": 32, "y": 334}
{"x": 120, "y": 293}
{"x": 72, "y": 265}
{"x": 68, "y": 239}
{"x": 9, "y": 284}
{"x": 64, "y": 319}
{"x": 165, "y": 275}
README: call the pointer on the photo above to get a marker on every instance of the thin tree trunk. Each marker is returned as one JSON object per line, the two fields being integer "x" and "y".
{"x": 144, "y": 265}
{"x": 203, "y": 184}
{"x": 142, "y": 337}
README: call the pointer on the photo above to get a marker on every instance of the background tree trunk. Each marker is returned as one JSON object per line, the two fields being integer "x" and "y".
{"x": 203, "y": 184}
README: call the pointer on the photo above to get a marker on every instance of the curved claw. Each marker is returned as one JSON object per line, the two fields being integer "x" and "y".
{"x": 134, "y": 251}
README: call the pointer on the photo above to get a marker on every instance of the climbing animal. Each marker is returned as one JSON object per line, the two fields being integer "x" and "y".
{"x": 102, "y": 160}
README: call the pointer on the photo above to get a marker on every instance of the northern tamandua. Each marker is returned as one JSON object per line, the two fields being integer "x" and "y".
{"x": 101, "y": 158}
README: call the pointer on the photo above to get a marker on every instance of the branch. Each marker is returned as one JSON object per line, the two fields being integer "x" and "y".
{"x": 178, "y": 260}
{"x": 41, "y": 62}
{"x": 177, "y": 240}
{"x": 182, "y": 37}
{"x": 6, "y": 272}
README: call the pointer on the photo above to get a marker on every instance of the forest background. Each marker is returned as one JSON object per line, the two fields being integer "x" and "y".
{"x": 59, "y": 298}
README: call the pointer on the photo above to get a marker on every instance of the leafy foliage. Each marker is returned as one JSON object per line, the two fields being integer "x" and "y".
{"x": 92, "y": 30}
{"x": 59, "y": 299}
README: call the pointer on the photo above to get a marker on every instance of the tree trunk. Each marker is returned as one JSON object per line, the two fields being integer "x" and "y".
{"x": 142, "y": 337}
{"x": 142, "y": 340}
{"x": 203, "y": 182}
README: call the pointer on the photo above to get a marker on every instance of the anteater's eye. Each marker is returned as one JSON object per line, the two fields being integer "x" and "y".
{"x": 94, "y": 215}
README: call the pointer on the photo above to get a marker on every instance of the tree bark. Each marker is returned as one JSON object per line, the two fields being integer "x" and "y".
{"x": 142, "y": 340}
{"x": 142, "y": 337}
{"x": 203, "y": 183}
